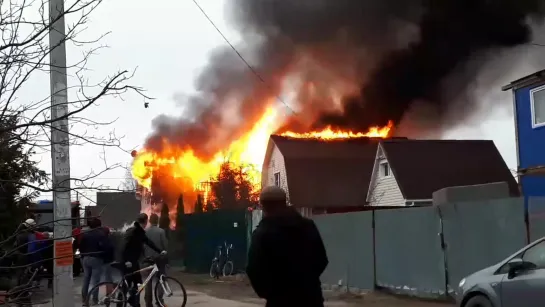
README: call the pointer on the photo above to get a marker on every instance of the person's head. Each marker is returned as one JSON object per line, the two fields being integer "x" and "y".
{"x": 154, "y": 219}
{"x": 95, "y": 223}
{"x": 29, "y": 223}
{"x": 142, "y": 220}
{"x": 272, "y": 199}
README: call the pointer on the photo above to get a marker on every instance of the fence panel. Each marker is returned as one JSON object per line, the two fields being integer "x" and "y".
{"x": 480, "y": 234}
{"x": 409, "y": 258}
{"x": 536, "y": 217}
{"x": 348, "y": 238}
{"x": 203, "y": 232}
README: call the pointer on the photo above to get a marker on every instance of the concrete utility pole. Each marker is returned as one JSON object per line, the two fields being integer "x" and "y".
{"x": 63, "y": 286}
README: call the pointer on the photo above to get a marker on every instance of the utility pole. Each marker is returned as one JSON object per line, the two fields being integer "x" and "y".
{"x": 63, "y": 285}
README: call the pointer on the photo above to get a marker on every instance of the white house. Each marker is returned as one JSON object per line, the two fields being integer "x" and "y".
{"x": 320, "y": 175}
{"x": 407, "y": 172}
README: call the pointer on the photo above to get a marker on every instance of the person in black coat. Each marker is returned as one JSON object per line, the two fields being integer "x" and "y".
{"x": 133, "y": 250}
{"x": 286, "y": 255}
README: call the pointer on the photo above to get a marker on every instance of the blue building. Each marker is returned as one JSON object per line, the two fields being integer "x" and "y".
{"x": 529, "y": 111}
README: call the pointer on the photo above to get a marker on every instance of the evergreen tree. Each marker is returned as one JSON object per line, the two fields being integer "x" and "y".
{"x": 199, "y": 207}
{"x": 16, "y": 168}
{"x": 232, "y": 188}
{"x": 164, "y": 220}
{"x": 180, "y": 231}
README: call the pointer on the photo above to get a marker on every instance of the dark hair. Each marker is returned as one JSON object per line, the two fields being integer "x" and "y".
{"x": 154, "y": 219}
{"x": 95, "y": 223}
{"x": 142, "y": 218}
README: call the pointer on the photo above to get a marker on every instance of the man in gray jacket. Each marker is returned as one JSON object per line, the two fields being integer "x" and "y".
{"x": 159, "y": 238}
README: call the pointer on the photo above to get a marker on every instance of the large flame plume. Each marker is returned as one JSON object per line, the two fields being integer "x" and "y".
{"x": 177, "y": 169}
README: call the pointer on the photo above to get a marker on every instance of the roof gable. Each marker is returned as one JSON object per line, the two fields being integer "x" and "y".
{"x": 327, "y": 173}
{"x": 422, "y": 167}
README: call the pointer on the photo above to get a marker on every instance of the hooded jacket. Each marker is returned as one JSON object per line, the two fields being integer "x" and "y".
{"x": 285, "y": 260}
{"x": 135, "y": 238}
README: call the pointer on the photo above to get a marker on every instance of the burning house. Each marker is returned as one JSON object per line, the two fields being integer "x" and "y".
{"x": 346, "y": 66}
{"x": 333, "y": 175}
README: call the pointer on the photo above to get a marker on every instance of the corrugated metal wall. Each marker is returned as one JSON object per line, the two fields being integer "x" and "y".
{"x": 480, "y": 234}
{"x": 536, "y": 217}
{"x": 348, "y": 238}
{"x": 409, "y": 254}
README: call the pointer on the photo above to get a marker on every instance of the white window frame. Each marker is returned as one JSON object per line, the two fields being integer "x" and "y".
{"x": 274, "y": 179}
{"x": 380, "y": 169}
{"x": 532, "y": 109}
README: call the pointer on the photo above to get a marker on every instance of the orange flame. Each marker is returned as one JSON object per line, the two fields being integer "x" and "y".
{"x": 330, "y": 134}
{"x": 185, "y": 167}
{"x": 188, "y": 172}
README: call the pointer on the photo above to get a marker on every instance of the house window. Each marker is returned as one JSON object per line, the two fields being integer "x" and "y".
{"x": 384, "y": 169}
{"x": 277, "y": 179}
{"x": 537, "y": 99}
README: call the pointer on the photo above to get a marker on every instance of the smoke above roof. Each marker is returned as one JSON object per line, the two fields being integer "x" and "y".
{"x": 353, "y": 64}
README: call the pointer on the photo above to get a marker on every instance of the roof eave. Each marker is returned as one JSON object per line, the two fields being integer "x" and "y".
{"x": 525, "y": 81}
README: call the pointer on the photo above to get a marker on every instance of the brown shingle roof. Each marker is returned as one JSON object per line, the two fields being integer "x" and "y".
{"x": 327, "y": 173}
{"x": 422, "y": 167}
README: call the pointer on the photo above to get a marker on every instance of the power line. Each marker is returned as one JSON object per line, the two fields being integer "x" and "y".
{"x": 240, "y": 55}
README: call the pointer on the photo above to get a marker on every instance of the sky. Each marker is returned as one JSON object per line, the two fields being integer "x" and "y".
{"x": 167, "y": 43}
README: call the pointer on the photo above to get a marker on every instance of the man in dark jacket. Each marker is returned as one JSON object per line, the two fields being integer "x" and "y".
{"x": 286, "y": 256}
{"x": 135, "y": 238}
{"x": 92, "y": 247}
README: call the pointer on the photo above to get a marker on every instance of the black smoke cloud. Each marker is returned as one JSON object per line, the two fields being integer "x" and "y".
{"x": 391, "y": 53}
{"x": 452, "y": 33}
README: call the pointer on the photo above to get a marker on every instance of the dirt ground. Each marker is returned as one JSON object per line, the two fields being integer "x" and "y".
{"x": 238, "y": 289}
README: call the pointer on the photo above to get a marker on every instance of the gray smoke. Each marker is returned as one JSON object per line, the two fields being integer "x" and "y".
{"x": 394, "y": 60}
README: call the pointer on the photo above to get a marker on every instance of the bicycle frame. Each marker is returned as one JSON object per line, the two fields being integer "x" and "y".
{"x": 154, "y": 271}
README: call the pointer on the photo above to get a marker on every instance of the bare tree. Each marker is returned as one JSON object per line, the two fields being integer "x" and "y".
{"x": 24, "y": 55}
{"x": 129, "y": 184}
{"x": 25, "y": 119}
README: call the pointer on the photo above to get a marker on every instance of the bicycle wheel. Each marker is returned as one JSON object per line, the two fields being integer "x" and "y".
{"x": 214, "y": 269}
{"x": 228, "y": 268}
{"x": 108, "y": 294}
{"x": 170, "y": 292}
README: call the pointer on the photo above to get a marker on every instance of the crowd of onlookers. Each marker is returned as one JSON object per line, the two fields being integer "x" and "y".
{"x": 94, "y": 249}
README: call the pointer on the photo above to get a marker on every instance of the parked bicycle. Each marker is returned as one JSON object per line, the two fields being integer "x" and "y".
{"x": 222, "y": 263}
{"x": 119, "y": 294}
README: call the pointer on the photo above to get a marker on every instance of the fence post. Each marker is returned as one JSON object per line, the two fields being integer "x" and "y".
{"x": 527, "y": 218}
{"x": 444, "y": 247}
{"x": 374, "y": 249}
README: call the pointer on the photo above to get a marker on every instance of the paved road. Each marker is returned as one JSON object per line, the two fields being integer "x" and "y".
{"x": 193, "y": 299}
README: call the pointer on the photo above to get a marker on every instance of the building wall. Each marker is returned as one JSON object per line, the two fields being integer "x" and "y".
{"x": 531, "y": 142}
{"x": 117, "y": 208}
{"x": 384, "y": 191}
{"x": 276, "y": 165}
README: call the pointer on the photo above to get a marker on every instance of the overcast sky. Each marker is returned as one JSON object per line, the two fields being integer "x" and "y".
{"x": 168, "y": 42}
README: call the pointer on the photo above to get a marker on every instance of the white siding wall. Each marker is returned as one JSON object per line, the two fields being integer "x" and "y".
{"x": 276, "y": 165}
{"x": 384, "y": 191}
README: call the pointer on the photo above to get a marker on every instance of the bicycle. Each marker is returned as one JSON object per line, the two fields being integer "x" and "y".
{"x": 118, "y": 293}
{"x": 221, "y": 263}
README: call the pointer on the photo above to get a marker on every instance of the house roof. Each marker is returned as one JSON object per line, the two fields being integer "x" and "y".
{"x": 536, "y": 77}
{"x": 333, "y": 173}
{"x": 422, "y": 167}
